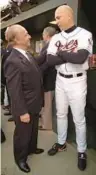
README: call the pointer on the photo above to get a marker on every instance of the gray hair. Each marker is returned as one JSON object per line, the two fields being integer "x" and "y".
{"x": 49, "y": 31}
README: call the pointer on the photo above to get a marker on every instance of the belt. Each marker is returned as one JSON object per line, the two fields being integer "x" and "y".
{"x": 71, "y": 75}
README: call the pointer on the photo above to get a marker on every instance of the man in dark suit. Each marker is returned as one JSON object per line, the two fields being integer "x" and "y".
{"x": 49, "y": 77}
{"x": 24, "y": 82}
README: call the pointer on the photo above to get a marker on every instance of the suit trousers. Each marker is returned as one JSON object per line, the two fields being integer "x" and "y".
{"x": 71, "y": 92}
{"x": 25, "y": 137}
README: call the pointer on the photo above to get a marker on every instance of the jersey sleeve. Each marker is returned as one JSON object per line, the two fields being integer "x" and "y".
{"x": 86, "y": 42}
{"x": 52, "y": 48}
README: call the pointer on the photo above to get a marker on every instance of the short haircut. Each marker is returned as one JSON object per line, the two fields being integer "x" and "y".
{"x": 50, "y": 31}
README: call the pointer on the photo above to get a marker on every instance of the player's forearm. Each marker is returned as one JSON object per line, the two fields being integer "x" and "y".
{"x": 75, "y": 58}
{"x": 53, "y": 60}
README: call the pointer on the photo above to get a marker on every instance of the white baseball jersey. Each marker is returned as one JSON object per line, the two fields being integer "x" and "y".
{"x": 71, "y": 42}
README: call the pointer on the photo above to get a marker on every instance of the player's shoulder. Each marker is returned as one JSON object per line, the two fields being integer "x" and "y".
{"x": 85, "y": 32}
{"x": 56, "y": 36}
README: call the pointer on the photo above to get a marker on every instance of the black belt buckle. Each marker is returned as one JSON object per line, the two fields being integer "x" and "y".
{"x": 71, "y": 76}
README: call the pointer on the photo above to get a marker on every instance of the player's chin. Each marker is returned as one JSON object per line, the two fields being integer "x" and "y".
{"x": 60, "y": 27}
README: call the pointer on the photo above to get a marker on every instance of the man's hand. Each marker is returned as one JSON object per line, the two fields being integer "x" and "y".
{"x": 25, "y": 118}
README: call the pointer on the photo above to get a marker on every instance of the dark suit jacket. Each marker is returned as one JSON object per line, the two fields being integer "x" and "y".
{"x": 24, "y": 82}
{"x": 49, "y": 73}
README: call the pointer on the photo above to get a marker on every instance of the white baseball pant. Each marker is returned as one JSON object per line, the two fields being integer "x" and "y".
{"x": 71, "y": 92}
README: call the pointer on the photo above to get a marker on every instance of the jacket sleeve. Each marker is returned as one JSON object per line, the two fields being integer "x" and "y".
{"x": 41, "y": 58}
{"x": 14, "y": 85}
{"x": 54, "y": 60}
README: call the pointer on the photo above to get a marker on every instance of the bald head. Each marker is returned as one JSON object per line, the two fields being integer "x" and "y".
{"x": 12, "y": 31}
{"x": 65, "y": 9}
{"x": 64, "y": 17}
{"x": 17, "y": 36}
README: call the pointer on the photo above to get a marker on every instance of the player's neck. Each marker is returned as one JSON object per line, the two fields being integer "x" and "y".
{"x": 70, "y": 29}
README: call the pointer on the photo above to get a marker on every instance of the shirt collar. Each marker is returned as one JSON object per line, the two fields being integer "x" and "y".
{"x": 20, "y": 50}
{"x": 70, "y": 29}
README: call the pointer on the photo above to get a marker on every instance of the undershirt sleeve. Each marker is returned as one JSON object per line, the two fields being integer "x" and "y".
{"x": 75, "y": 58}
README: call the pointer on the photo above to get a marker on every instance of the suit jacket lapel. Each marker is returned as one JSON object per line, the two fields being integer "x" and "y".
{"x": 33, "y": 62}
{"x": 24, "y": 60}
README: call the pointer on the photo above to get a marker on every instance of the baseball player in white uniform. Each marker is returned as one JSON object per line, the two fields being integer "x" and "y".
{"x": 69, "y": 50}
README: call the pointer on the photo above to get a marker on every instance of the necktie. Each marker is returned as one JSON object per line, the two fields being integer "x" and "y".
{"x": 29, "y": 56}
